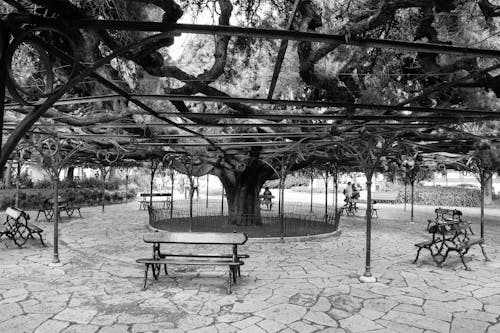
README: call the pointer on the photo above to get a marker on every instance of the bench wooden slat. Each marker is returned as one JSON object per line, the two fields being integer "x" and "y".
{"x": 240, "y": 256}
{"x": 196, "y": 238}
{"x": 189, "y": 262}
{"x": 467, "y": 244}
{"x": 156, "y": 195}
{"x": 426, "y": 243}
{"x": 14, "y": 213}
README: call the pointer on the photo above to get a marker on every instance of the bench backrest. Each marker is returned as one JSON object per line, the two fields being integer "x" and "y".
{"x": 443, "y": 213}
{"x": 15, "y": 213}
{"x": 156, "y": 194}
{"x": 229, "y": 238}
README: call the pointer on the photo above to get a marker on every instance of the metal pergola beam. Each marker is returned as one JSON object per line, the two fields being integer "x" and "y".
{"x": 201, "y": 29}
{"x": 281, "y": 52}
{"x": 258, "y": 101}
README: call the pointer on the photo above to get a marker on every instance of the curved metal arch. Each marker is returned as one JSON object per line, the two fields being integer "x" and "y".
{"x": 30, "y": 119}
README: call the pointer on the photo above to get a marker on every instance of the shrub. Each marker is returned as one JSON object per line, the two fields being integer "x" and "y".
{"x": 45, "y": 183}
{"x": 290, "y": 181}
{"x": 444, "y": 196}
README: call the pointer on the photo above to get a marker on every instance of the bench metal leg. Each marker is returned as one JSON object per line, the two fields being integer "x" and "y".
{"x": 145, "y": 276}
{"x": 484, "y": 252}
{"x": 418, "y": 253}
{"x": 41, "y": 239}
{"x": 463, "y": 260}
{"x": 230, "y": 280}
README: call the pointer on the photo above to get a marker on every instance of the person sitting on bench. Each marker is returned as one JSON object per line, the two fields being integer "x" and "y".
{"x": 267, "y": 198}
{"x": 348, "y": 192}
{"x": 355, "y": 192}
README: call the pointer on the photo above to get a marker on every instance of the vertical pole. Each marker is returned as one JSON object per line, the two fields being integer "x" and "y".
{"x": 103, "y": 194}
{"x": 326, "y": 196}
{"x": 126, "y": 185}
{"x": 151, "y": 183}
{"x": 280, "y": 210}
{"x": 55, "y": 179}
{"x": 222, "y": 202}
{"x": 406, "y": 182}
{"x": 206, "y": 205}
{"x": 368, "y": 224}
{"x": 172, "y": 193}
{"x": 312, "y": 181}
{"x": 336, "y": 179}
{"x": 18, "y": 178}
{"x": 412, "y": 197}
{"x": 191, "y": 193}
{"x": 482, "y": 180}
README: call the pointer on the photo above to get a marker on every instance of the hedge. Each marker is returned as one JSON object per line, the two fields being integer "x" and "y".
{"x": 33, "y": 199}
{"x": 443, "y": 196}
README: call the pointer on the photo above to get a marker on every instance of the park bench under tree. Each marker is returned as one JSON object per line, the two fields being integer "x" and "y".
{"x": 445, "y": 214}
{"x": 165, "y": 200}
{"x": 65, "y": 205}
{"x": 17, "y": 227}
{"x": 231, "y": 259}
{"x": 351, "y": 205}
{"x": 448, "y": 235}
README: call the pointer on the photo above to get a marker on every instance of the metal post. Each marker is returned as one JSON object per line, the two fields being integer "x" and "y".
{"x": 281, "y": 210}
{"x": 151, "y": 183}
{"x": 18, "y": 179}
{"x": 406, "y": 182}
{"x": 55, "y": 260}
{"x": 222, "y": 202}
{"x": 103, "y": 176}
{"x": 191, "y": 192}
{"x": 483, "y": 183}
{"x": 126, "y": 185}
{"x": 206, "y": 206}
{"x": 412, "y": 200}
{"x": 368, "y": 273}
{"x": 326, "y": 197}
{"x": 312, "y": 181}
{"x": 336, "y": 194}
{"x": 172, "y": 194}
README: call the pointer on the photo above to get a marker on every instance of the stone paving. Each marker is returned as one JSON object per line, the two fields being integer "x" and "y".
{"x": 309, "y": 286}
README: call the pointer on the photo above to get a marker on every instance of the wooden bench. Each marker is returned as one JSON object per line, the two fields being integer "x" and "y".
{"x": 445, "y": 214}
{"x": 232, "y": 260}
{"x": 65, "y": 205}
{"x": 390, "y": 197}
{"x": 163, "y": 201}
{"x": 18, "y": 228}
{"x": 449, "y": 236}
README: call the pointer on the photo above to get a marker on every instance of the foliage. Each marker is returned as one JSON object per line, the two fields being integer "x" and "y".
{"x": 444, "y": 196}
{"x": 33, "y": 199}
{"x": 290, "y": 181}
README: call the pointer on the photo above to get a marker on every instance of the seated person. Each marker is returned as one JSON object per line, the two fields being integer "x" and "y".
{"x": 348, "y": 192}
{"x": 355, "y": 192}
{"x": 267, "y": 197}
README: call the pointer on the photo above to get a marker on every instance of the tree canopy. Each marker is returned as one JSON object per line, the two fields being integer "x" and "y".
{"x": 205, "y": 94}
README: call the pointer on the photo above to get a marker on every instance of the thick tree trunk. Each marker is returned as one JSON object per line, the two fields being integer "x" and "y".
{"x": 243, "y": 202}
{"x": 242, "y": 192}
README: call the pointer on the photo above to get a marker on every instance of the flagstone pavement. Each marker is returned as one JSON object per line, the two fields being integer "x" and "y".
{"x": 308, "y": 286}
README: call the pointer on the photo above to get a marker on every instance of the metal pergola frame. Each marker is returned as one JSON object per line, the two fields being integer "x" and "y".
{"x": 319, "y": 131}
